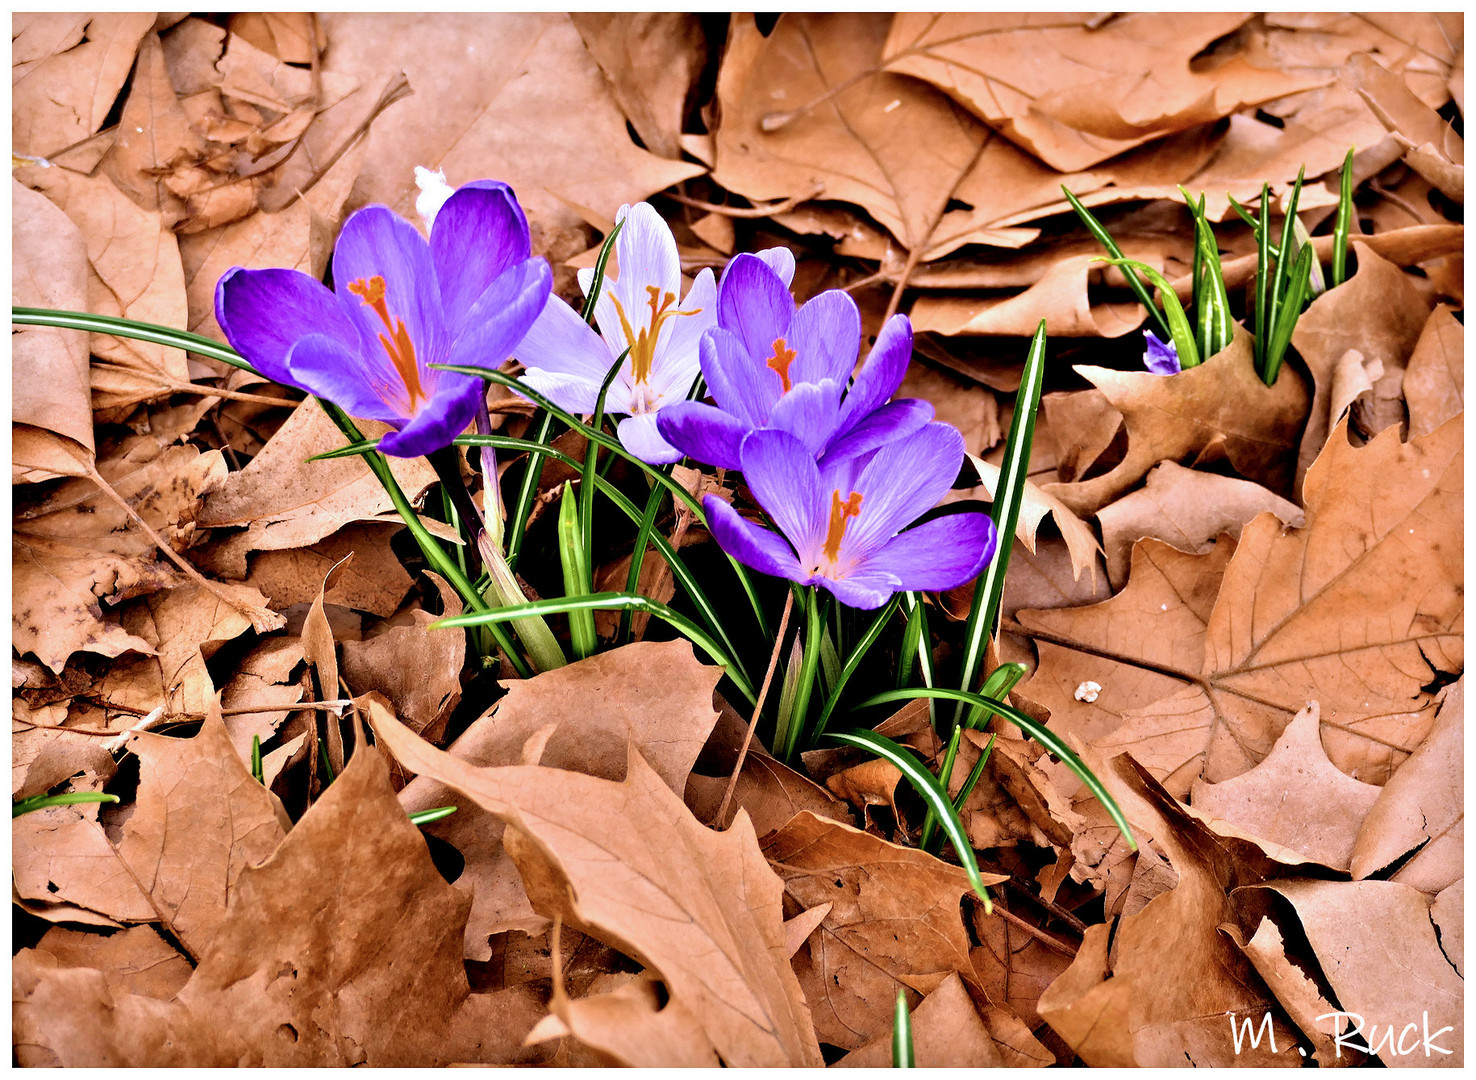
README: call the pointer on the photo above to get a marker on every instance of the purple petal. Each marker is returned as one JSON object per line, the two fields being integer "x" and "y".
{"x": 781, "y": 261}
{"x": 882, "y": 372}
{"x": 480, "y": 232}
{"x": 376, "y": 242}
{"x": 750, "y": 544}
{"x": 640, "y": 436}
{"x": 938, "y": 554}
{"x": 784, "y": 479}
{"x": 894, "y": 420}
{"x": 1160, "y": 357}
{"x": 754, "y": 304}
{"x": 326, "y": 367}
{"x": 737, "y": 384}
{"x": 905, "y": 478}
{"x": 866, "y": 591}
{"x": 808, "y": 412}
{"x": 560, "y": 342}
{"x": 439, "y": 421}
{"x": 703, "y": 433}
{"x": 265, "y": 312}
{"x": 502, "y": 315}
{"x": 824, "y": 336}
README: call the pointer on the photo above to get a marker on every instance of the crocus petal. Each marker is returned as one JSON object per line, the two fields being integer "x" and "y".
{"x": 824, "y": 335}
{"x": 647, "y": 255}
{"x": 938, "y": 554}
{"x": 750, "y": 544}
{"x": 784, "y": 478}
{"x": 502, "y": 315}
{"x": 894, "y": 420}
{"x": 808, "y": 412}
{"x": 737, "y": 384}
{"x": 569, "y": 392}
{"x": 327, "y": 367}
{"x": 265, "y": 312}
{"x": 882, "y": 372}
{"x": 376, "y": 242}
{"x": 480, "y": 232}
{"x": 439, "y": 421}
{"x": 560, "y": 341}
{"x": 781, "y": 261}
{"x": 703, "y": 433}
{"x": 640, "y": 436}
{"x": 866, "y": 591}
{"x": 903, "y": 479}
{"x": 1160, "y": 357}
{"x": 680, "y": 335}
{"x": 754, "y": 304}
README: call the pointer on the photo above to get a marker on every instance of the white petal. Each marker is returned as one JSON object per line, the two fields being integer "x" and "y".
{"x": 638, "y": 434}
{"x": 560, "y": 341}
{"x": 781, "y": 261}
{"x": 434, "y": 191}
{"x": 677, "y": 348}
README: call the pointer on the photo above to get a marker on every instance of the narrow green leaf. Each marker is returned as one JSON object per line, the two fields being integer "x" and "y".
{"x": 911, "y": 636}
{"x": 427, "y": 817}
{"x": 798, "y": 733}
{"x": 597, "y": 283}
{"x": 1039, "y": 732}
{"x": 613, "y": 601}
{"x": 974, "y": 774}
{"x": 838, "y": 685}
{"x": 256, "y": 773}
{"x": 902, "y": 1034}
{"x": 787, "y": 690}
{"x": 1179, "y": 328}
{"x": 1263, "y": 279}
{"x": 1000, "y": 682}
{"x": 926, "y": 785}
{"x": 638, "y": 555}
{"x": 70, "y": 798}
{"x": 130, "y": 328}
{"x": 1290, "y": 312}
{"x": 1316, "y": 282}
{"x": 576, "y": 575}
{"x": 1285, "y": 264}
{"x": 1343, "y": 224}
{"x": 1096, "y": 229}
{"x": 528, "y": 489}
{"x": 1005, "y": 511}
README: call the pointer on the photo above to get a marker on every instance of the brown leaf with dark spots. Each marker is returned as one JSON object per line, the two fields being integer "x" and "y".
{"x": 894, "y": 922}
{"x": 637, "y": 870}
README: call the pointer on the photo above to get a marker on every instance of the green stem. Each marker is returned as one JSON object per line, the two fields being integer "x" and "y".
{"x": 638, "y": 555}
{"x": 853, "y": 662}
{"x": 814, "y": 627}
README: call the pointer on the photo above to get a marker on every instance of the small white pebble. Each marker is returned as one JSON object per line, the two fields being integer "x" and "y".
{"x": 894, "y": 104}
{"x": 139, "y": 130}
{"x": 1088, "y": 691}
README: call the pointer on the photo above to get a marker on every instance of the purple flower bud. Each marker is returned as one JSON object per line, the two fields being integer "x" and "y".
{"x": 1160, "y": 357}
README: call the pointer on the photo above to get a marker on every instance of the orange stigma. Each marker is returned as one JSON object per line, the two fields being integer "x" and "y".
{"x": 643, "y": 342}
{"x": 397, "y": 343}
{"x": 780, "y": 361}
{"x": 840, "y": 515}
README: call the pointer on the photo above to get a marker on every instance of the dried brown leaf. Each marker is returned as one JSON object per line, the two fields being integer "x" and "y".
{"x": 154, "y": 137}
{"x": 947, "y": 1033}
{"x": 1435, "y": 380}
{"x": 651, "y": 61}
{"x": 1059, "y": 297}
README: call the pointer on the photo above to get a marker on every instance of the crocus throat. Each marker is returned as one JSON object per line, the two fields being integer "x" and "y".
{"x": 643, "y": 342}
{"x": 780, "y": 361}
{"x": 841, "y": 513}
{"x": 397, "y": 343}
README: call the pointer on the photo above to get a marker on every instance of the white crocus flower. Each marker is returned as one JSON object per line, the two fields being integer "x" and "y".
{"x": 434, "y": 191}
{"x": 638, "y": 310}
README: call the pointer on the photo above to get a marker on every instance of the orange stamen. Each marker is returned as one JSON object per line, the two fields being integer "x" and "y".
{"x": 780, "y": 361}
{"x": 840, "y": 516}
{"x": 397, "y": 343}
{"x": 643, "y": 342}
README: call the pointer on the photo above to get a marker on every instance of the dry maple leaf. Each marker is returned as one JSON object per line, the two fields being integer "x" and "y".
{"x": 947, "y": 1033}
{"x": 651, "y": 60}
{"x": 1435, "y": 380}
{"x": 629, "y": 863}
{"x": 1220, "y": 408}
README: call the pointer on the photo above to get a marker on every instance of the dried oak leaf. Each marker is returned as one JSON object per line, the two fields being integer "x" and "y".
{"x": 343, "y": 948}
{"x": 629, "y": 864}
{"x": 1299, "y": 995}
{"x": 1435, "y": 380}
{"x": 1379, "y": 313}
{"x": 65, "y": 72}
{"x": 1380, "y": 954}
{"x": 807, "y": 113}
{"x": 475, "y": 117}
{"x": 1431, "y": 146}
{"x": 287, "y": 35}
{"x": 264, "y": 677}
{"x": 1187, "y": 509}
{"x": 656, "y": 697}
{"x": 895, "y": 922}
{"x": 154, "y": 138}
{"x": 60, "y": 855}
{"x": 1060, "y": 298}
{"x": 1163, "y": 995}
{"x": 50, "y": 398}
{"x": 630, "y": 1026}
{"x": 1074, "y": 90}
{"x": 1219, "y": 409}
{"x": 652, "y": 60}
{"x": 1295, "y": 797}
{"x": 1422, "y": 808}
{"x": 947, "y": 1033}
{"x": 136, "y": 274}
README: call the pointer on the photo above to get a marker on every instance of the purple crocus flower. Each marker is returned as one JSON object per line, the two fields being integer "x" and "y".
{"x": 1160, "y": 357}
{"x": 465, "y": 297}
{"x": 841, "y": 519}
{"x": 769, "y": 365}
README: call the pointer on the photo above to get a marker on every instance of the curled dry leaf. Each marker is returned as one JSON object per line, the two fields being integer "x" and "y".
{"x": 1059, "y": 297}
{"x": 894, "y": 923}
{"x": 1299, "y": 995}
{"x": 1295, "y": 797}
{"x": 628, "y": 863}
{"x": 1034, "y": 507}
{"x": 1219, "y": 409}
{"x": 1435, "y": 380}
{"x": 50, "y": 400}
{"x": 1432, "y": 147}
{"x": 1187, "y": 509}
{"x": 1422, "y": 808}
{"x": 652, "y": 60}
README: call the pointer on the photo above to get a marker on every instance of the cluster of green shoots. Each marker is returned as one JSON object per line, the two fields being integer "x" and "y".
{"x": 1288, "y": 276}
{"x": 826, "y": 654}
